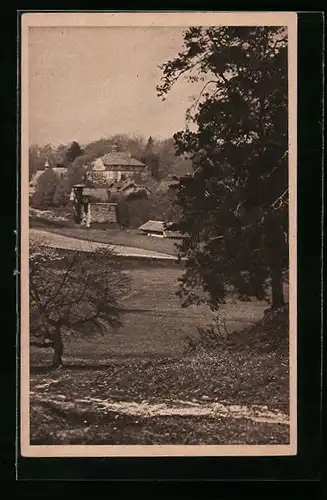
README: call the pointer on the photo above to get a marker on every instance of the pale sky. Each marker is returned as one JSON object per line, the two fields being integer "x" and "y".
{"x": 87, "y": 83}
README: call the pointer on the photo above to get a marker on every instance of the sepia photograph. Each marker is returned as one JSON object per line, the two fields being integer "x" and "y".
{"x": 158, "y": 234}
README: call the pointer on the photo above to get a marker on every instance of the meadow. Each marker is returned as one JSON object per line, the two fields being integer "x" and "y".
{"x": 154, "y": 323}
{"x": 147, "y": 361}
{"x": 112, "y": 236}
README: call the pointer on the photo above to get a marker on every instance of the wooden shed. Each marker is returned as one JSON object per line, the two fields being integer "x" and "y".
{"x": 159, "y": 229}
{"x": 153, "y": 228}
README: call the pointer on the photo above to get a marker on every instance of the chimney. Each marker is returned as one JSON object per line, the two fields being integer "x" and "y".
{"x": 46, "y": 165}
{"x": 115, "y": 148}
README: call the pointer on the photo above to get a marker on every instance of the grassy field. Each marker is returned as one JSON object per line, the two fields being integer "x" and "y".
{"x": 145, "y": 360}
{"x": 154, "y": 322}
{"x": 130, "y": 237}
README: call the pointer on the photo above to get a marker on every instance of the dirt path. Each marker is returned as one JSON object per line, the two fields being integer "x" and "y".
{"x": 164, "y": 408}
{"x": 58, "y": 241}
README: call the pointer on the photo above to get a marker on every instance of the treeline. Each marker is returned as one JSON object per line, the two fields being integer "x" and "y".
{"x": 159, "y": 155}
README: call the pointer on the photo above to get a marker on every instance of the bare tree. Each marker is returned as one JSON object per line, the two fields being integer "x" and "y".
{"x": 70, "y": 290}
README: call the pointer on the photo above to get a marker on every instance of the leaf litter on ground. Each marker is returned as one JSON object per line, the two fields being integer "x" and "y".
{"x": 251, "y": 374}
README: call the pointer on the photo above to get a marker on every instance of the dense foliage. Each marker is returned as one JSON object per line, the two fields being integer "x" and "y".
{"x": 46, "y": 189}
{"x": 73, "y": 152}
{"x": 151, "y": 159}
{"x": 235, "y": 206}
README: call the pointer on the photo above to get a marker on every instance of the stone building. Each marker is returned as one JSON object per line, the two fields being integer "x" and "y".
{"x": 119, "y": 166}
{"x": 93, "y": 207}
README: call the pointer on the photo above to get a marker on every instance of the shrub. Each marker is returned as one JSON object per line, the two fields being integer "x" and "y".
{"x": 210, "y": 337}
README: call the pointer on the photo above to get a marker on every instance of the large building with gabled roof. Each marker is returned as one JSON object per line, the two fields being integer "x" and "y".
{"x": 119, "y": 166}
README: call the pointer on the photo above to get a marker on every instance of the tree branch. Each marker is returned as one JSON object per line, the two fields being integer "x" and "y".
{"x": 195, "y": 104}
{"x": 66, "y": 274}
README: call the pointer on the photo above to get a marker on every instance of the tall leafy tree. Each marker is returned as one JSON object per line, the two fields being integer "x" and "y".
{"x": 76, "y": 172}
{"x": 170, "y": 162}
{"x": 61, "y": 154}
{"x": 151, "y": 159}
{"x": 73, "y": 152}
{"x": 235, "y": 205}
{"x": 61, "y": 194}
{"x": 46, "y": 188}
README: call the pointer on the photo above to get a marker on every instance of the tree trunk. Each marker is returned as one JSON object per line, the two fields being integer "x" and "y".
{"x": 277, "y": 287}
{"x": 58, "y": 348}
{"x": 276, "y": 250}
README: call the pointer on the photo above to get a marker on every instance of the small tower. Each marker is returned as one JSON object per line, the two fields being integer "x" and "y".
{"x": 46, "y": 165}
{"x": 115, "y": 148}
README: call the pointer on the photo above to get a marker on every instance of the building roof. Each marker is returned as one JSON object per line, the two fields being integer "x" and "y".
{"x": 119, "y": 158}
{"x": 124, "y": 185}
{"x": 100, "y": 195}
{"x": 127, "y": 188}
{"x": 156, "y": 226}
